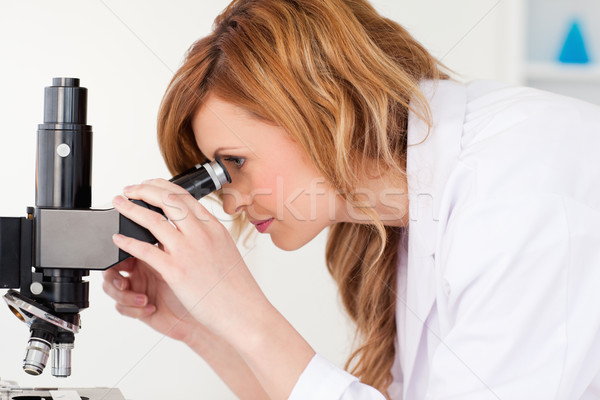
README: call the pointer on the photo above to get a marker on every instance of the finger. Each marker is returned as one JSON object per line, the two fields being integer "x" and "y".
{"x": 176, "y": 189}
{"x": 186, "y": 212}
{"x": 165, "y": 184}
{"x": 113, "y": 277}
{"x": 127, "y": 265}
{"x": 136, "y": 312}
{"x": 177, "y": 204}
{"x": 120, "y": 271}
{"x": 146, "y": 252}
{"x": 193, "y": 203}
{"x": 125, "y": 297}
{"x": 151, "y": 220}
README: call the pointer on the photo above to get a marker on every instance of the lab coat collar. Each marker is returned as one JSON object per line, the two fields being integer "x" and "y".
{"x": 428, "y": 167}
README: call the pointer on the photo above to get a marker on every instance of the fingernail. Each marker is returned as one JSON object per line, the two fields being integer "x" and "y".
{"x": 118, "y": 282}
{"x": 118, "y": 200}
{"x": 128, "y": 189}
{"x": 139, "y": 300}
{"x": 150, "y": 308}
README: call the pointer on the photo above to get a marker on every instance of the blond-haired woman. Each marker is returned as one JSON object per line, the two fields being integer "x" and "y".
{"x": 463, "y": 218}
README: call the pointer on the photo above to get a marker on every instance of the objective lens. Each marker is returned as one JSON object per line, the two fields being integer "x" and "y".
{"x": 36, "y": 356}
{"x": 61, "y": 359}
{"x": 38, "y": 348}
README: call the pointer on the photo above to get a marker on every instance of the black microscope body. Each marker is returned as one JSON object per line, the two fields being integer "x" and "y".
{"x": 47, "y": 253}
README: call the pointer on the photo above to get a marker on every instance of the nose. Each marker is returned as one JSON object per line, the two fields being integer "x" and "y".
{"x": 234, "y": 200}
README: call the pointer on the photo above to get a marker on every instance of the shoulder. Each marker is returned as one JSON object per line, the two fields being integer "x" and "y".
{"x": 525, "y": 140}
{"x": 495, "y": 108}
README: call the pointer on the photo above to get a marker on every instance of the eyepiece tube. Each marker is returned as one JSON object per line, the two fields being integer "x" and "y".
{"x": 203, "y": 179}
{"x": 64, "y": 148}
{"x": 199, "y": 181}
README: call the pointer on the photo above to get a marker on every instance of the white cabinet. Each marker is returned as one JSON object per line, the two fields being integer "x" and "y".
{"x": 546, "y": 26}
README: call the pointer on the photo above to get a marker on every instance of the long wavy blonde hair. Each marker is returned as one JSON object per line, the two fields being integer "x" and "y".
{"x": 338, "y": 77}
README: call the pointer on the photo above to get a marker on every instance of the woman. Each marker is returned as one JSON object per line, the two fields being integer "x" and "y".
{"x": 463, "y": 218}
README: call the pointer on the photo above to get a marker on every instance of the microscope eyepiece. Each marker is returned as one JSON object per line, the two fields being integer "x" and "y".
{"x": 65, "y": 82}
{"x": 202, "y": 179}
{"x": 65, "y": 102}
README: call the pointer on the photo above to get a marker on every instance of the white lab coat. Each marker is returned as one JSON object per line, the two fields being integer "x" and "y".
{"x": 499, "y": 281}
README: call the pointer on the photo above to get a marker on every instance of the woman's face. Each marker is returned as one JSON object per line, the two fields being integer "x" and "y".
{"x": 271, "y": 178}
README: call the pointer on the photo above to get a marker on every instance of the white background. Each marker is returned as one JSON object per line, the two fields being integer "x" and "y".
{"x": 125, "y": 53}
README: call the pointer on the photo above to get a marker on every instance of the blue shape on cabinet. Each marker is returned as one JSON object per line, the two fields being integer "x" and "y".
{"x": 574, "y": 50}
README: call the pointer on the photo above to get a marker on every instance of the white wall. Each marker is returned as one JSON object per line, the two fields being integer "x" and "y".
{"x": 125, "y": 53}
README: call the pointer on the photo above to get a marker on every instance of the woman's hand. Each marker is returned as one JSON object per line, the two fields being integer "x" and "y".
{"x": 144, "y": 295}
{"x": 201, "y": 264}
{"x": 196, "y": 258}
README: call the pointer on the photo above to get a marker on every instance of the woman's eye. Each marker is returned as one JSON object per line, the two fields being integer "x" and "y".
{"x": 238, "y": 161}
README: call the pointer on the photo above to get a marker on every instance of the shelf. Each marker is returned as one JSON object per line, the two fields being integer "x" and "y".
{"x": 579, "y": 73}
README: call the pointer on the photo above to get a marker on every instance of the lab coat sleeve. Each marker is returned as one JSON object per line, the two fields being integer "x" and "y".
{"x": 321, "y": 380}
{"x": 521, "y": 306}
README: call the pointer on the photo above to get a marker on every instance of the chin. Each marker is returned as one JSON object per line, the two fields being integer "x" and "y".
{"x": 288, "y": 242}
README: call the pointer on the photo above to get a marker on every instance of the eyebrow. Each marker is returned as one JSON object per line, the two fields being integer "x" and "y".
{"x": 220, "y": 149}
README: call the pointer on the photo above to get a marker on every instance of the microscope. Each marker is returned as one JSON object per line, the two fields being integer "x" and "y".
{"x": 47, "y": 254}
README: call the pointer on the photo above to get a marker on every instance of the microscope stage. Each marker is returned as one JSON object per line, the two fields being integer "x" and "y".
{"x": 45, "y": 394}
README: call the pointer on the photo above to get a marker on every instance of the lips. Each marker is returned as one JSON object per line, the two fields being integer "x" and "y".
{"x": 262, "y": 225}
{"x": 261, "y": 221}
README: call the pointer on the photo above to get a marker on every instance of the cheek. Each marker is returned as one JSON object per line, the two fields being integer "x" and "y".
{"x": 265, "y": 197}
{"x": 305, "y": 201}
{"x": 302, "y": 211}
{"x": 289, "y": 188}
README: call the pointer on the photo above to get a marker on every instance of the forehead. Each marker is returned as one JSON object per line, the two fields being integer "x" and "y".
{"x": 218, "y": 123}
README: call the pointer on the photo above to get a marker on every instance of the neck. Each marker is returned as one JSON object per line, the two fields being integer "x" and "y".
{"x": 386, "y": 195}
